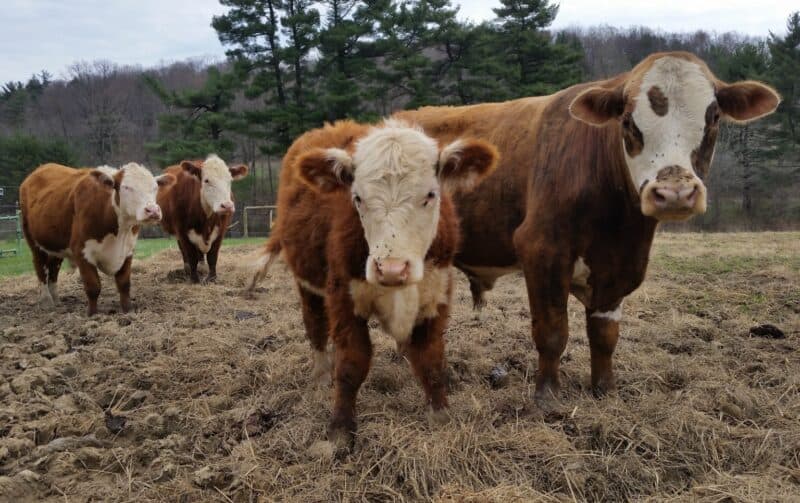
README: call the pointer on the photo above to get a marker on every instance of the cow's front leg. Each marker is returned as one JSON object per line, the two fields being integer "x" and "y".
{"x": 193, "y": 255}
{"x": 211, "y": 258}
{"x": 91, "y": 284}
{"x": 123, "y": 279}
{"x": 602, "y": 328}
{"x": 547, "y": 277}
{"x": 184, "y": 255}
{"x": 425, "y": 351}
{"x": 352, "y": 356}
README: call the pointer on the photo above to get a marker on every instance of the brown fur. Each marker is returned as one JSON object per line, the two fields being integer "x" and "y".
{"x": 62, "y": 208}
{"x": 183, "y": 211}
{"x": 320, "y": 235}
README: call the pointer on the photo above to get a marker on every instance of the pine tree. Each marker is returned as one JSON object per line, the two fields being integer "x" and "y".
{"x": 202, "y": 122}
{"x": 785, "y": 75}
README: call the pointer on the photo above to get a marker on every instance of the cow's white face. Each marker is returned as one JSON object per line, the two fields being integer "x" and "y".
{"x": 135, "y": 188}
{"x": 215, "y": 178}
{"x": 669, "y": 120}
{"x": 395, "y": 177}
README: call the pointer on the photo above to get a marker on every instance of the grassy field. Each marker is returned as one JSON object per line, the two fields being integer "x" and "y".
{"x": 202, "y": 394}
{"x": 21, "y": 264}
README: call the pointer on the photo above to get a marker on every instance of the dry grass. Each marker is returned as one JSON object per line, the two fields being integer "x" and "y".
{"x": 219, "y": 408}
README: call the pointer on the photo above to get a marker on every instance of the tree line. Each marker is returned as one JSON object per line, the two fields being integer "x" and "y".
{"x": 293, "y": 64}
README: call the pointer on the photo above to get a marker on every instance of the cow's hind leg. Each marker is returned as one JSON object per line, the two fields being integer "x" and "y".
{"x": 425, "y": 351}
{"x": 602, "y": 327}
{"x": 316, "y": 323}
{"x": 91, "y": 284}
{"x": 478, "y": 292}
{"x": 40, "y": 260}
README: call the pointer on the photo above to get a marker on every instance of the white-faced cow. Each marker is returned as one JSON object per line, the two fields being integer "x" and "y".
{"x": 90, "y": 217}
{"x": 585, "y": 177}
{"x": 365, "y": 228}
{"x": 198, "y": 208}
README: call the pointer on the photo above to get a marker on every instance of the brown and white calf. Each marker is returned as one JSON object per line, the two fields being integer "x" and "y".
{"x": 367, "y": 231}
{"x": 90, "y": 217}
{"x": 198, "y": 208}
{"x": 585, "y": 177}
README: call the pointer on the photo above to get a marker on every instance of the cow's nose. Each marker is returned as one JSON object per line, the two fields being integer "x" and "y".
{"x": 227, "y": 207}
{"x": 152, "y": 212}
{"x": 392, "y": 271}
{"x": 674, "y": 197}
{"x": 675, "y": 194}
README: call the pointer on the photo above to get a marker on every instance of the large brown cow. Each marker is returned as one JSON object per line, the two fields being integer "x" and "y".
{"x": 198, "y": 208}
{"x": 585, "y": 177}
{"x": 366, "y": 230}
{"x": 90, "y": 217}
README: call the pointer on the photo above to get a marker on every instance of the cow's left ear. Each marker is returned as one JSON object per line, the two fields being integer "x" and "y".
{"x": 597, "y": 105}
{"x": 326, "y": 170}
{"x": 192, "y": 168}
{"x": 103, "y": 178}
{"x": 238, "y": 172}
{"x": 463, "y": 164}
{"x": 165, "y": 180}
{"x": 746, "y": 101}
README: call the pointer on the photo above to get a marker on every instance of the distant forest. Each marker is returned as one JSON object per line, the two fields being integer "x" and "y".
{"x": 293, "y": 64}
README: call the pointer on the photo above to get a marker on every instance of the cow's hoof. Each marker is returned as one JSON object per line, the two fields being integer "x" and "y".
{"x": 342, "y": 436}
{"x": 603, "y": 387}
{"x": 195, "y": 280}
{"x": 439, "y": 417}
{"x": 546, "y": 399}
{"x": 211, "y": 279}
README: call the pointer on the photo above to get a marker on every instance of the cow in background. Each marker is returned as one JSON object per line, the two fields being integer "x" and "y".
{"x": 90, "y": 217}
{"x": 198, "y": 208}
{"x": 585, "y": 177}
{"x": 366, "y": 229}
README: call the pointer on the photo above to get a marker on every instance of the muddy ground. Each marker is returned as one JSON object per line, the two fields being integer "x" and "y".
{"x": 203, "y": 395}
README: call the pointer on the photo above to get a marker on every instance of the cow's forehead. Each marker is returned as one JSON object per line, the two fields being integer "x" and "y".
{"x": 673, "y": 86}
{"x": 136, "y": 175}
{"x": 394, "y": 151}
{"x": 215, "y": 168}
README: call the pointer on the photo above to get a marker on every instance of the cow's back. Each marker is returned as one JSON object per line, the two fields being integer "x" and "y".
{"x": 47, "y": 204}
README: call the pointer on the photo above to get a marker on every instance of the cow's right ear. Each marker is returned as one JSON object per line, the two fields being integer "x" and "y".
{"x": 192, "y": 168}
{"x": 165, "y": 180}
{"x": 103, "y": 178}
{"x": 597, "y": 105}
{"x": 326, "y": 169}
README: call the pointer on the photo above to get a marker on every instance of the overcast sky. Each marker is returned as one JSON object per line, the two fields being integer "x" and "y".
{"x": 51, "y": 34}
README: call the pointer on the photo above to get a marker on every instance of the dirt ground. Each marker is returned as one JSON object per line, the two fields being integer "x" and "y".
{"x": 204, "y": 395}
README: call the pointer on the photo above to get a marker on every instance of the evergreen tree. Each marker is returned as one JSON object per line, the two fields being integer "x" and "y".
{"x": 785, "y": 75}
{"x": 201, "y": 122}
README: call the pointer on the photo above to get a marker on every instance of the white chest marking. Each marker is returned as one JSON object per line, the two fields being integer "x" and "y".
{"x": 109, "y": 254}
{"x": 199, "y": 242}
{"x": 305, "y": 285}
{"x": 614, "y": 315}
{"x": 400, "y": 309}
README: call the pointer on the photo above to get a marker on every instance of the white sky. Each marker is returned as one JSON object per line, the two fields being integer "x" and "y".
{"x": 52, "y": 34}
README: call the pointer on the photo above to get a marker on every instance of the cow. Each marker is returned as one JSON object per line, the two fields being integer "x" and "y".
{"x": 366, "y": 230}
{"x": 198, "y": 208}
{"x": 586, "y": 175}
{"x": 90, "y": 217}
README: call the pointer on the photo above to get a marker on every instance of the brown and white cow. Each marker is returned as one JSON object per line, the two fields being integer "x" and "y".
{"x": 90, "y": 217}
{"x": 585, "y": 177}
{"x": 364, "y": 227}
{"x": 198, "y": 208}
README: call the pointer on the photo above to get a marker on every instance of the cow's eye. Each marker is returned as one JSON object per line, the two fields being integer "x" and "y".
{"x": 207, "y": 180}
{"x": 716, "y": 117}
{"x": 429, "y": 197}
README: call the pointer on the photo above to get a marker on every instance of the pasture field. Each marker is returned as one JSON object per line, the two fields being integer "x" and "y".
{"x": 204, "y": 395}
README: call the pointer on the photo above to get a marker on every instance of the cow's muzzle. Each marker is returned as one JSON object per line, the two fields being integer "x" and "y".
{"x": 152, "y": 213}
{"x": 392, "y": 271}
{"x": 675, "y": 194}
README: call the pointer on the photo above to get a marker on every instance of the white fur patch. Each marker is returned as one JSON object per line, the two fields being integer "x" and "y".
{"x": 45, "y": 294}
{"x": 670, "y": 140}
{"x": 137, "y": 191}
{"x": 215, "y": 186}
{"x": 614, "y": 315}
{"x": 199, "y": 242}
{"x": 399, "y": 309}
{"x": 581, "y": 273}
{"x": 109, "y": 254}
{"x": 305, "y": 285}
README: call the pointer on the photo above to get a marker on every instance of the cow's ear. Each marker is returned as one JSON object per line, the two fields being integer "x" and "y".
{"x": 192, "y": 168}
{"x": 165, "y": 180}
{"x": 238, "y": 172}
{"x": 463, "y": 164}
{"x": 326, "y": 169}
{"x": 597, "y": 105}
{"x": 103, "y": 178}
{"x": 746, "y": 101}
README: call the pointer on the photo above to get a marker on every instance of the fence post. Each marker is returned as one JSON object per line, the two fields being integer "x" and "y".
{"x": 19, "y": 232}
{"x": 244, "y": 222}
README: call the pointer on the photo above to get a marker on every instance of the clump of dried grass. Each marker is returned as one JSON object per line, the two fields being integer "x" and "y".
{"x": 219, "y": 407}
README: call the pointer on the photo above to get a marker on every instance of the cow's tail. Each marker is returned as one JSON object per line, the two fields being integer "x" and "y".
{"x": 261, "y": 261}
